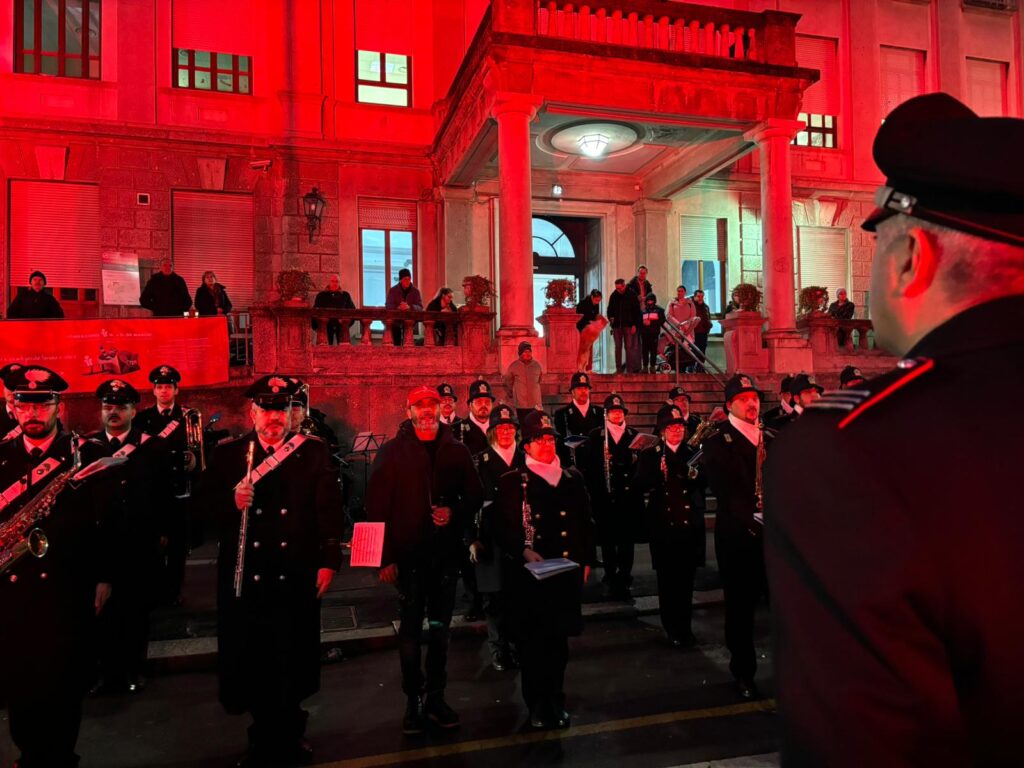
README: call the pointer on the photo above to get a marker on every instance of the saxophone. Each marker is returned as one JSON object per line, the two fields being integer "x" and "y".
{"x": 704, "y": 428}
{"x": 20, "y": 534}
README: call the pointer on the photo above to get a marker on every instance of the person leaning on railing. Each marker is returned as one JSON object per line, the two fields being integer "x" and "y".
{"x": 443, "y": 301}
{"x": 35, "y": 303}
{"x": 841, "y": 309}
{"x": 405, "y": 296}
{"x": 333, "y": 297}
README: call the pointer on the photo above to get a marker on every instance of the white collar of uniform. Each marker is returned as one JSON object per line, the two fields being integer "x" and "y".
{"x": 45, "y": 445}
{"x": 549, "y": 473}
{"x": 507, "y": 455}
{"x": 484, "y": 425}
{"x": 671, "y": 447}
{"x": 799, "y": 409}
{"x": 123, "y": 437}
{"x": 448, "y": 420}
{"x": 749, "y": 431}
{"x": 616, "y": 430}
{"x": 786, "y": 407}
{"x": 264, "y": 445}
{"x": 584, "y": 408}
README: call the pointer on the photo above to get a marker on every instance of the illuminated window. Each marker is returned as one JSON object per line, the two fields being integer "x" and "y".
{"x": 206, "y": 71}
{"x": 821, "y": 101}
{"x": 387, "y": 244}
{"x": 57, "y": 37}
{"x": 383, "y": 78}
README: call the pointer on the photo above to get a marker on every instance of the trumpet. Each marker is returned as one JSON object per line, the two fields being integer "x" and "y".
{"x": 194, "y": 437}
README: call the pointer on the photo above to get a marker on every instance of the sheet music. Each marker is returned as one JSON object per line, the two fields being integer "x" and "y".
{"x": 367, "y": 545}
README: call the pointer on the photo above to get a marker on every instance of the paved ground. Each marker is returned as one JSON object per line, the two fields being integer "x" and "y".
{"x": 635, "y": 701}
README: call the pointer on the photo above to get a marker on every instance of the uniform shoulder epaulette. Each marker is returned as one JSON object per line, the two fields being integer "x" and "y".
{"x": 854, "y": 402}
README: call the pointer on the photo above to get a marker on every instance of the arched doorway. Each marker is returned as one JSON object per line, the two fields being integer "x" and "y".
{"x": 559, "y": 252}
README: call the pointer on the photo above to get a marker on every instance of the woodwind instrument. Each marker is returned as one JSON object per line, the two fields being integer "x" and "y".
{"x": 243, "y": 525}
{"x": 762, "y": 454}
{"x": 528, "y": 530}
{"x": 607, "y": 460}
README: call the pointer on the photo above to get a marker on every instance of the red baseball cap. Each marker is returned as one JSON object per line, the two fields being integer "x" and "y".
{"x": 422, "y": 393}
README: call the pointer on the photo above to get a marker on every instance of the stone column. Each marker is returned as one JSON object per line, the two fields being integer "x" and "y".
{"x": 788, "y": 350}
{"x": 652, "y": 221}
{"x": 514, "y": 112}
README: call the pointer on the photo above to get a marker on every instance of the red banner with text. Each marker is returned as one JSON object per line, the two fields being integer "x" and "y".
{"x": 88, "y": 352}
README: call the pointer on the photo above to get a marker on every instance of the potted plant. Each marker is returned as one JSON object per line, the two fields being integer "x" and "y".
{"x": 560, "y": 293}
{"x": 746, "y": 297}
{"x": 813, "y": 299}
{"x": 293, "y": 286}
{"x": 478, "y": 290}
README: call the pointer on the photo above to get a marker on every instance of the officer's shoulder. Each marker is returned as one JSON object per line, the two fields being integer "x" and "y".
{"x": 844, "y": 408}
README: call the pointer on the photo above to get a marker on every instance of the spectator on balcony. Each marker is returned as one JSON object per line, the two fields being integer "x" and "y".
{"x": 640, "y": 285}
{"x": 332, "y": 297}
{"x": 624, "y": 315}
{"x": 35, "y": 303}
{"x": 211, "y": 297}
{"x": 443, "y": 301}
{"x": 522, "y": 381}
{"x": 701, "y": 329}
{"x": 734, "y": 303}
{"x": 590, "y": 325}
{"x": 166, "y": 294}
{"x": 653, "y": 317}
{"x": 403, "y": 296}
{"x": 841, "y": 309}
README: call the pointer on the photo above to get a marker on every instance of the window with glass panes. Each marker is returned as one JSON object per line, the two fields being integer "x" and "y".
{"x": 702, "y": 242}
{"x": 208, "y": 71}
{"x": 383, "y": 78}
{"x": 57, "y": 37}
{"x": 821, "y": 100}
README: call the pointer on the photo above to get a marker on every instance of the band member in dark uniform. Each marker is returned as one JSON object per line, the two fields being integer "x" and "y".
{"x": 779, "y": 416}
{"x": 424, "y": 488}
{"x": 851, "y": 378}
{"x": 8, "y": 422}
{"x": 143, "y": 498}
{"x": 166, "y": 419}
{"x": 271, "y": 577}
{"x": 580, "y": 417}
{"x": 448, "y": 400}
{"x": 618, "y": 506}
{"x": 681, "y": 399}
{"x": 732, "y": 460}
{"x": 472, "y": 430}
{"x": 894, "y": 555}
{"x": 49, "y": 603}
{"x": 502, "y": 456}
{"x": 544, "y": 513}
{"x": 675, "y": 522}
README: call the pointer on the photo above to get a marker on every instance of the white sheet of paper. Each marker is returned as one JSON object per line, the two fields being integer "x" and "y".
{"x": 367, "y": 545}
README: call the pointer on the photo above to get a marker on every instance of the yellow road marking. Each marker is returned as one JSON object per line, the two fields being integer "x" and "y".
{"x": 532, "y": 737}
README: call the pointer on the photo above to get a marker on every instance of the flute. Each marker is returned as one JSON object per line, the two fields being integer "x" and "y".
{"x": 243, "y": 526}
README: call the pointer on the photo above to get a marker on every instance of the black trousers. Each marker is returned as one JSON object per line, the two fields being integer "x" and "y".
{"x": 675, "y": 594}
{"x": 744, "y": 583}
{"x": 123, "y": 633}
{"x": 700, "y": 340}
{"x": 496, "y": 611}
{"x": 648, "y": 348}
{"x": 543, "y": 657}
{"x": 176, "y": 553}
{"x": 425, "y": 590}
{"x": 617, "y": 553}
{"x": 277, "y": 727}
{"x": 45, "y": 728}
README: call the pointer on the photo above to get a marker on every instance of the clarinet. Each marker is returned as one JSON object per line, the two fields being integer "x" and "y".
{"x": 762, "y": 454}
{"x": 243, "y": 526}
{"x": 607, "y": 461}
{"x": 528, "y": 530}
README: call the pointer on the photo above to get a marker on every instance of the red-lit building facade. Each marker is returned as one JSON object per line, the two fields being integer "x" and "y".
{"x": 455, "y": 137}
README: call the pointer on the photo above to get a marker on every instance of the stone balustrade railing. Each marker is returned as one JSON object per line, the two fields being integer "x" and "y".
{"x": 349, "y": 320}
{"x": 767, "y": 37}
{"x": 822, "y": 333}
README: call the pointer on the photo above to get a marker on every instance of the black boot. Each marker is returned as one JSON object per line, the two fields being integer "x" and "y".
{"x": 412, "y": 722}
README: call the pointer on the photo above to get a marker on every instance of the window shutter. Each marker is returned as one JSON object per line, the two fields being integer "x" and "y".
{"x": 819, "y": 53}
{"x": 225, "y": 26}
{"x": 387, "y": 27}
{"x": 823, "y": 259}
{"x": 387, "y": 214}
{"x": 55, "y": 228}
{"x": 902, "y": 76}
{"x": 701, "y": 239}
{"x": 986, "y": 87}
{"x": 215, "y": 231}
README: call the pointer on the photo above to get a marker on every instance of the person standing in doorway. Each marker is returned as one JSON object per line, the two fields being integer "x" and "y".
{"x": 403, "y": 296}
{"x": 624, "y": 314}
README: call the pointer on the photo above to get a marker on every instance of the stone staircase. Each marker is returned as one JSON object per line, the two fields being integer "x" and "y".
{"x": 644, "y": 394}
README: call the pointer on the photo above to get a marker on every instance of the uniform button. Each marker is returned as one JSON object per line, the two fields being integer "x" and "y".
{"x": 626, "y": 488}
{"x": 563, "y": 513}
{"x": 281, "y": 577}
{"x": 42, "y": 575}
{"x": 255, "y": 545}
{"x": 256, "y": 577}
{"x": 259, "y": 512}
{"x": 284, "y": 511}
{"x": 537, "y": 537}
{"x": 906, "y": 364}
{"x": 565, "y": 554}
{"x": 564, "y": 534}
{"x": 14, "y": 577}
{"x": 536, "y": 517}
{"x": 284, "y": 544}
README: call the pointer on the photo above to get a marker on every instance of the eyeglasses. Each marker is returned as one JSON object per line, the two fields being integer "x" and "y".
{"x": 29, "y": 407}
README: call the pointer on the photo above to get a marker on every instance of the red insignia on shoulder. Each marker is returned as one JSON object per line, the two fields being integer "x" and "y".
{"x": 912, "y": 369}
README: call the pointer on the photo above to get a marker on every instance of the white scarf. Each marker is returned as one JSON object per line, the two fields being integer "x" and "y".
{"x": 671, "y": 447}
{"x": 506, "y": 454}
{"x": 448, "y": 419}
{"x": 786, "y": 407}
{"x": 549, "y": 473}
{"x": 615, "y": 430}
{"x": 484, "y": 425}
{"x": 748, "y": 430}
{"x": 582, "y": 408}
{"x": 799, "y": 409}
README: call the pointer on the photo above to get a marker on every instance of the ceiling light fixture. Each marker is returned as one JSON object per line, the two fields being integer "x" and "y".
{"x": 592, "y": 144}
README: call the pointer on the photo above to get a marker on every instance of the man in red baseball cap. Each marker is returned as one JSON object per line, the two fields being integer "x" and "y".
{"x": 424, "y": 488}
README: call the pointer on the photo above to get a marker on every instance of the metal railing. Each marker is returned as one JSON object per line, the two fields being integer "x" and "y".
{"x": 683, "y": 344}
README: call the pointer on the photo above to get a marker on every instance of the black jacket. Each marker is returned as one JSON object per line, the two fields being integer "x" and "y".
{"x": 730, "y": 464}
{"x": 623, "y": 309}
{"x": 269, "y": 638}
{"x": 675, "y": 508}
{"x": 29, "y": 305}
{"x": 334, "y": 300}
{"x": 589, "y": 310}
{"x": 207, "y": 301}
{"x": 895, "y": 563}
{"x": 569, "y": 420}
{"x": 404, "y": 484}
{"x": 166, "y": 295}
{"x": 620, "y": 511}
{"x": 470, "y": 435}
{"x": 634, "y": 286}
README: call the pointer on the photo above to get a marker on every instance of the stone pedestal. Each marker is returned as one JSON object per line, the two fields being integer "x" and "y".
{"x": 788, "y": 352}
{"x": 821, "y": 335}
{"x": 744, "y": 351}
{"x": 561, "y": 339}
{"x": 475, "y": 340}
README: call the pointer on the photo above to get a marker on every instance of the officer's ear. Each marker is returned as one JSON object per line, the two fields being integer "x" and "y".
{"x": 918, "y": 264}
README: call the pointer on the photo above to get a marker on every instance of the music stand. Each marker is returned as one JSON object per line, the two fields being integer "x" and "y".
{"x": 364, "y": 444}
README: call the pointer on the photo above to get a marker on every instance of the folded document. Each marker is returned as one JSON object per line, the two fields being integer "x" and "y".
{"x": 545, "y": 569}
